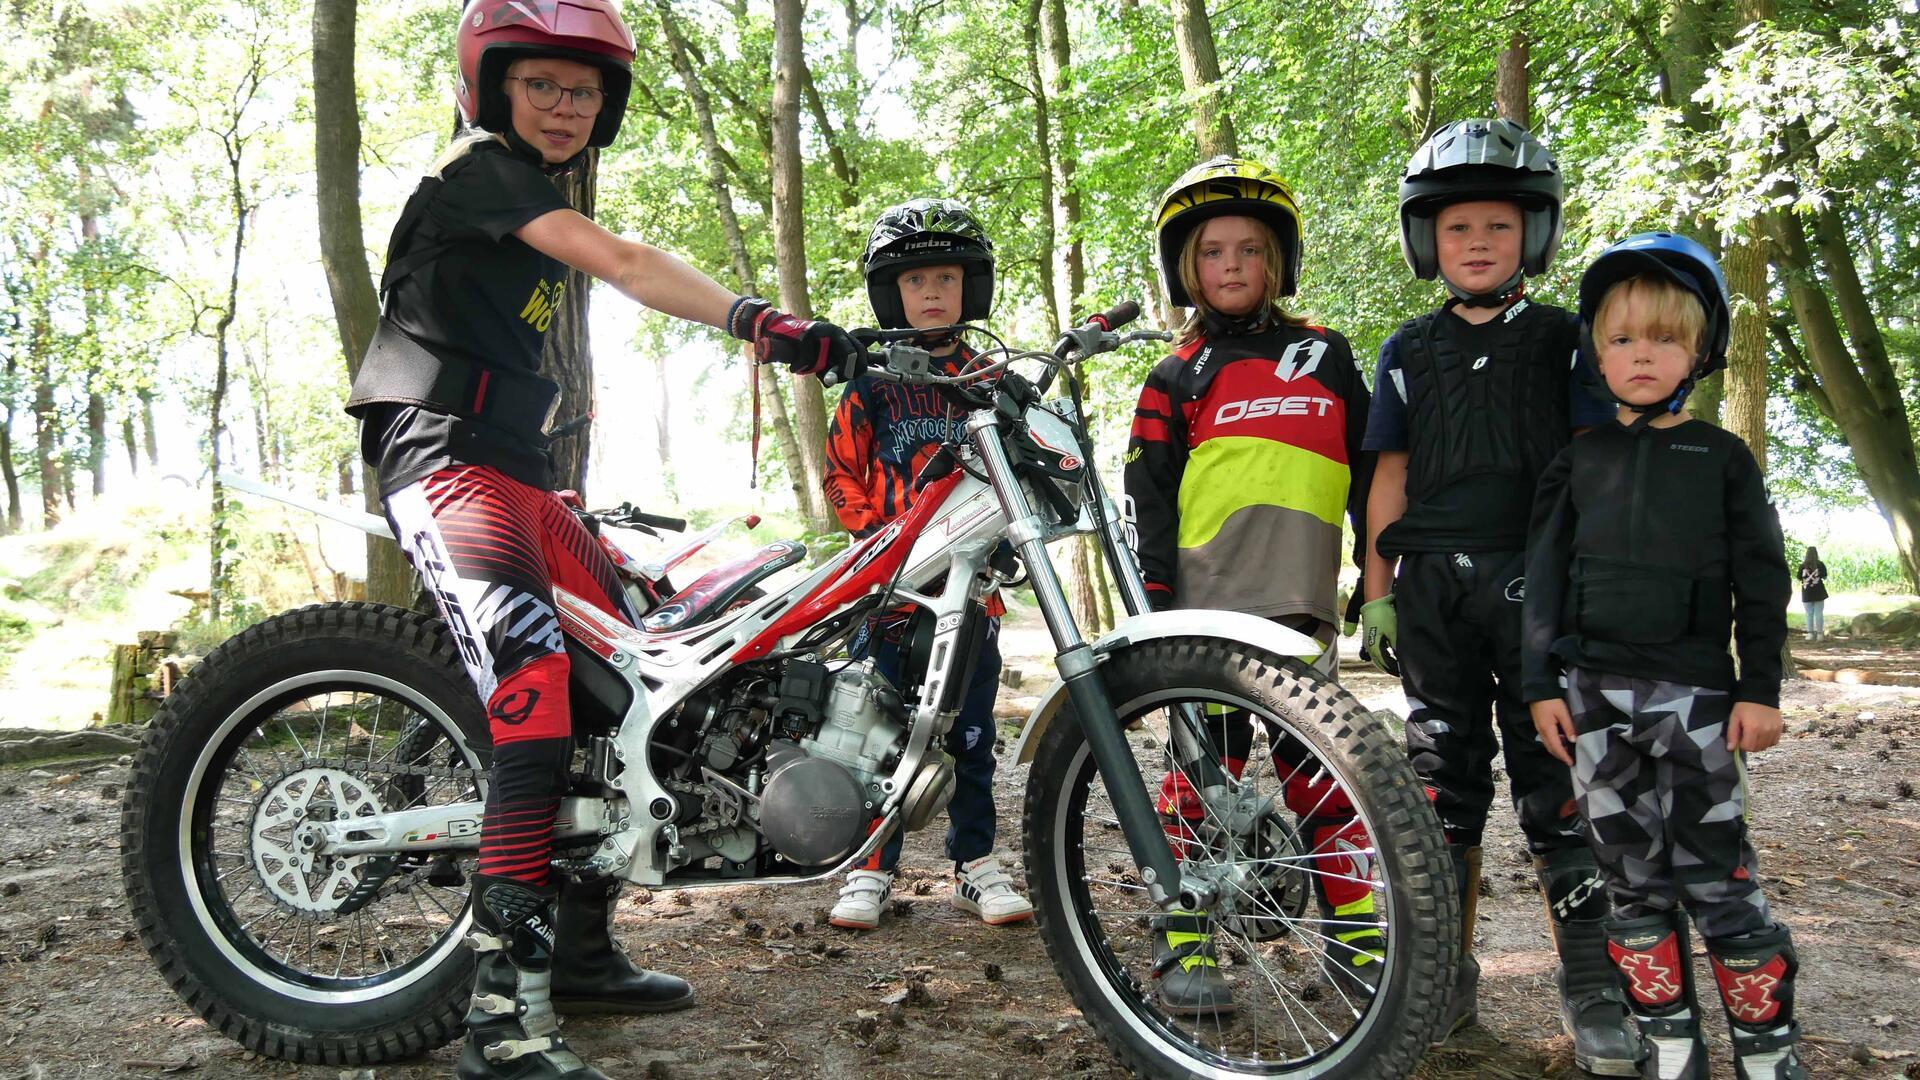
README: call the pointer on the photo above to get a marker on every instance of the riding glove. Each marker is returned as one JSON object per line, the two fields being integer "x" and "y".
{"x": 807, "y": 347}
{"x": 1377, "y": 631}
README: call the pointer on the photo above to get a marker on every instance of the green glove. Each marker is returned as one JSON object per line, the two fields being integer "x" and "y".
{"x": 1378, "y": 627}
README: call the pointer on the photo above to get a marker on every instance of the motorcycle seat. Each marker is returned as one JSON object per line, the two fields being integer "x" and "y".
{"x": 720, "y": 588}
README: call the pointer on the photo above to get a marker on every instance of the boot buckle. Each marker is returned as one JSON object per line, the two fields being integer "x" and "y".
{"x": 496, "y": 1005}
{"x": 512, "y": 1049}
{"x": 481, "y": 942}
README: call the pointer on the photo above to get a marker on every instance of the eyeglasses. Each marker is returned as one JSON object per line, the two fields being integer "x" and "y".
{"x": 545, "y": 94}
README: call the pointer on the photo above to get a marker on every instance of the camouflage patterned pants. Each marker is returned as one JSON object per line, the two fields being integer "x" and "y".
{"x": 1665, "y": 800}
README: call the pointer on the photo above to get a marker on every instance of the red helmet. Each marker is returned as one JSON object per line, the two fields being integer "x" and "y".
{"x": 495, "y": 33}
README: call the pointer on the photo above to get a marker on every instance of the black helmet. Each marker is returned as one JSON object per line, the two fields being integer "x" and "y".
{"x": 1470, "y": 160}
{"x": 1677, "y": 259}
{"x": 1217, "y": 187}
{"x": 927, "y": 232}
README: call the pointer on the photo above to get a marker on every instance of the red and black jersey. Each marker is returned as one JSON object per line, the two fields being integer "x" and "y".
{"x": 880, "y": 436}
{"x": 1245, "y": 453}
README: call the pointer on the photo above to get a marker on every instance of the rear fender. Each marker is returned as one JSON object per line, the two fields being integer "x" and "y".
{"x": 1233, "y": 626}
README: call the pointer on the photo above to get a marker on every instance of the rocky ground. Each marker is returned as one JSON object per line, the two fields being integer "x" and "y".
{"x": 1837, "y": 822}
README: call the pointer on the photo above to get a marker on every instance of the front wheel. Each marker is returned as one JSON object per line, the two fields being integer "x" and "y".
{"x": 1331, "y": 949}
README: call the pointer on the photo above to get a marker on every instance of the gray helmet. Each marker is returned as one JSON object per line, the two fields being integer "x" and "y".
{"x": 1470, "y": 160}
{"x": 927, "y": 232}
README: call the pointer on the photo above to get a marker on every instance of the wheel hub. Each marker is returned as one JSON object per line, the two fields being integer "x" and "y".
{"x": 289, "y": 830}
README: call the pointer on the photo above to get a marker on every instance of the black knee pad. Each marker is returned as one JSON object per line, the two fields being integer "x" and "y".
{"x": 1576, "y": 889}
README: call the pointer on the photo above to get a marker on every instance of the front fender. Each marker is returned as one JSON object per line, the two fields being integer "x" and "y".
{"x": 1235, "y": 626}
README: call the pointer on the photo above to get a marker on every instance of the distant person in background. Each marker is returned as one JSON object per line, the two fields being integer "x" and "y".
{"x": 1813, "y": 593}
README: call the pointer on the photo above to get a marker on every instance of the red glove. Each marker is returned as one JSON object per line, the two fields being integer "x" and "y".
{"x": 805, "y": 347}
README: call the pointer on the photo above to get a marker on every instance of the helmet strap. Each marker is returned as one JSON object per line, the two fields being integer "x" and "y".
{"x": 1508, "y": 291}
{"x": 526, "y": 150}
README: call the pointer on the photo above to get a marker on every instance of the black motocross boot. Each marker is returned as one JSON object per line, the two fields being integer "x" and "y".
{"x": 1655, "y": 963}
{"x": 1187, "y": 968}
{"x": 591, "y": 973}
{"x": 1755, "y": 973}
{"x": 512, "y": 1033}
{"x": 1463, "y": 1007}
{"x": 1593, "y": 1009}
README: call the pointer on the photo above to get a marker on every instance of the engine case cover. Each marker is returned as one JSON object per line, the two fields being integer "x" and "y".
{"x": 812, "y": 810}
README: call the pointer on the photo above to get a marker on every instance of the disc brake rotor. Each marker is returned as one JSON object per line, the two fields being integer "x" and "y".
{"x": 285, "y": 836}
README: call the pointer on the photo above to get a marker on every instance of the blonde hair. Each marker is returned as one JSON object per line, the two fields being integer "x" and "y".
{"x": 1191, "y": 330}
{"x": 1664, "y": 307}
{"x": 461, "y": 145}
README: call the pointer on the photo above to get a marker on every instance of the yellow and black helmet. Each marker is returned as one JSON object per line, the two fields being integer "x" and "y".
{"x": 1220, "y": 186}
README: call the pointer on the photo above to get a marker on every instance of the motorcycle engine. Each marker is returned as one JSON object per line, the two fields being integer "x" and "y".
{"x": 825, "y": 781}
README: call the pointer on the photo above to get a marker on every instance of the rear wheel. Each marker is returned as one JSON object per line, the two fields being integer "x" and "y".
{"x": 1277, "y": 953}
{"x": 322, "y": 714}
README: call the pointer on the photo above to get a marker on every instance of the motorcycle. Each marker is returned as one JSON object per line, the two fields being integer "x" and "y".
{"x": 304, "y": 813}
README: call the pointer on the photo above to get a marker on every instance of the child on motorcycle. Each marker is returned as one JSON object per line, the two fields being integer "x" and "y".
{"x": 452, "y": 412}
{"x": 928, "y": 264}
{"x": 1471, "y": 401}
{"x": 1653, "y": 542}
{"x": 1242, "y": 461}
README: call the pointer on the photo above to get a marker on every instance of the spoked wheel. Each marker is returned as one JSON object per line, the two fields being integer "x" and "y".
{"x": 1331, "y": 948}
{"x": 320, "y": 715}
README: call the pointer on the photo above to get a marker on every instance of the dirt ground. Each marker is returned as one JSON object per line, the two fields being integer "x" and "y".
{"x": 1837, "y": 825}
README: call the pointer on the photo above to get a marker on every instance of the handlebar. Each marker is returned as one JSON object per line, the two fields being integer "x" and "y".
{"x": 894, "y": 355}
{"x": 626, "y": 514}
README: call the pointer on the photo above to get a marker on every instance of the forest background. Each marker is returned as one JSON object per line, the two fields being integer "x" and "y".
{"x": 195, "y": 199}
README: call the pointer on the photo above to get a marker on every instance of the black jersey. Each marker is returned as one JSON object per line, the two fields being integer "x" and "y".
{"x": 1649, "y": 549}
{"x": 476, "y": 296}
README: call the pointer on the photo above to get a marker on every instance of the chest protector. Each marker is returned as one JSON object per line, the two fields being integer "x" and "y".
{"x": 1503, "y": 413}
{"x": 402, "y": 371}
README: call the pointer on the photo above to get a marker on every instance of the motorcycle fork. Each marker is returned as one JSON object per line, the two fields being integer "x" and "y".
{"x": 1079, "y": 668}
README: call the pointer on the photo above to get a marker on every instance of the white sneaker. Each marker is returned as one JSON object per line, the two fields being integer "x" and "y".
{"x": 984, "y": 889}
{"x": 861, "y": 899}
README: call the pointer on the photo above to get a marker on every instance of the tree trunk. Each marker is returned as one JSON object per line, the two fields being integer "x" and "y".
{"x": 1863, "y": 330}
{"x": 1420, "y": 111}
{"x": 764, "y": 383}
{"x": 568, "y": 357}
{"x": 1745, "y": 409}
{"x": 131, "y": 443}
{"x": 12, "y": 476}
{"x": 343, "y": 249}
{"x": 97, "y": 441}
{"x": 662, "y": 427}
{"x": 147, "y": 441}
{"x": 1043, "y": 145}
{"x": 1874, "y": 430}
{"x": 96, "y": 404}
{"x": 790, "y": 249}
{"x": 1200, "y": 73}
{"x": 45, "y": 419}
{"x": 1510, "y": 93}
{"x": 217, "y": 566}
{"x": 1071, "y": 279}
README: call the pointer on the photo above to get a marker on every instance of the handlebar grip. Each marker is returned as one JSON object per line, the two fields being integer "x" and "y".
{"x": 660, "y": 521}
{"x": 1117, "y": 316}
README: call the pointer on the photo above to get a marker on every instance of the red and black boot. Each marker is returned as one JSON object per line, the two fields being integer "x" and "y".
{"x": 1354, "y": 953}
{"x": 1755, "y": 974}
{"x": 512, "y": 1032}
{"x": 1655, "y": 963}
{"x": 591, "y": 973}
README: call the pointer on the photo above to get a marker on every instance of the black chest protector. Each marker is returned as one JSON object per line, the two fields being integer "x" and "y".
{"x": 399, "y": 370}
{"x": 1497, "y": 410}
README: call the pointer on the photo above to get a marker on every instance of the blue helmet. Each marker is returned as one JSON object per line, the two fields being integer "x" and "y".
{"x": 1684, "y": 262}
